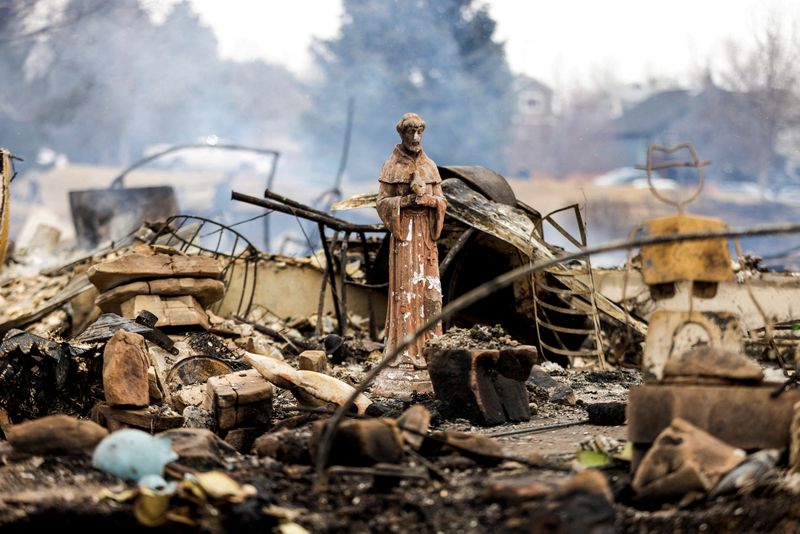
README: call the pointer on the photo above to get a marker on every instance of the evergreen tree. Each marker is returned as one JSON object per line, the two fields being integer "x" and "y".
{"x": 102, "y": 82}
{"x": 433, "y": 57}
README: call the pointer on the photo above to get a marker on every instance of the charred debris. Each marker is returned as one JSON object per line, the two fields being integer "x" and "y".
{"x": 181, "y": 378}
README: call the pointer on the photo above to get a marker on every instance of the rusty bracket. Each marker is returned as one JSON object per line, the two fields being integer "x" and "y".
{"x": 148, "y": 319}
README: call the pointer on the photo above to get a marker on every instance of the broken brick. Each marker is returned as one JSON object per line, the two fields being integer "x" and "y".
{"x": 242, "y": 439}
{"x": 240, "y": 398}
{"x": 125, "y": 365}
{"x": 683, "y": 459}
{"x": 563, "y": 395}
{"x": 478, "y": 447}
{"x": 170, "y": 311}
{"x": 132, "y": 267}
{"x": 60, "y": 434}
{"x": 149, "y": 419}
{"x": 288, "y": 446}
{"x": 414, "y": 424}
{"x": 189, "y": 395}
{"x": 361, "y": 442}
{"x": 313, "y": 360}
{"x": 205, "y": 290}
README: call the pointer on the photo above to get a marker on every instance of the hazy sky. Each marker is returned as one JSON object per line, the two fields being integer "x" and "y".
{"x": 552, "y": 40}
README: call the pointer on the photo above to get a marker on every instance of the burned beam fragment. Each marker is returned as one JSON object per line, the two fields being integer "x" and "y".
{"x": 485, "y": 386}
{"x": 362, "y": 442}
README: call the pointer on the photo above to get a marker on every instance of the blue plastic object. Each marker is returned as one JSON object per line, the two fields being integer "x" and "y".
{"x": 132, "y": 454}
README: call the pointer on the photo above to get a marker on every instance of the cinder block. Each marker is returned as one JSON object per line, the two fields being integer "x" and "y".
{"x": 747, "y": 417}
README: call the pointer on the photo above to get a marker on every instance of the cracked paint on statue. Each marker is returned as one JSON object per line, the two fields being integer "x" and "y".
{"x": 412, "y": 206}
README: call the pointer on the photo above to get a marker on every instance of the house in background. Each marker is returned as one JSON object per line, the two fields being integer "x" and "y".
{"x": 723, "y": 126}
{"x": 651, "y": 121}
{"x": 532, "y": 124}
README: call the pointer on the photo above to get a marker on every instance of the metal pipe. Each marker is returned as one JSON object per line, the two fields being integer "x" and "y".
{"x": 309, "y": 214}
{"x": 332, "y": 277}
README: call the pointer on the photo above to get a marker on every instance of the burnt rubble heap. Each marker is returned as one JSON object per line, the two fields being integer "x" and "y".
{"x": 159, "y": 383}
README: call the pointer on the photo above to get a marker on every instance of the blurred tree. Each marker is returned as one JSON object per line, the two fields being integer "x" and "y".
{"x": 766, "y": 78}
{"x": 102, "y": 81}
{"x": 582, "y": 141}
{"x": 433, "y": 57}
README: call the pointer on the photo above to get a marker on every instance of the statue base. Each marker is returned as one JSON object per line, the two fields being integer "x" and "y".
{"x": 400, "y": 383}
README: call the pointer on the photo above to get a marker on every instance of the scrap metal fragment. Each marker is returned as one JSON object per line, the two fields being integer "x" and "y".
{"x": 108, "y": 323}
{"x": 513, "y": 226}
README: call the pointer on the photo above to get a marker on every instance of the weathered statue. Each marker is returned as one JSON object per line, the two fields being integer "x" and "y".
{"x": 412, "y": 206}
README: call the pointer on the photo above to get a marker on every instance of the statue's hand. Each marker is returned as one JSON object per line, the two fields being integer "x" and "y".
{"x": 407, "y": 200}
{"x": 428, "y": 201}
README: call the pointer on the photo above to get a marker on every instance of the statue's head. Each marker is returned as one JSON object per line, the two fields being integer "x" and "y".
{"x": 410, "y": 127}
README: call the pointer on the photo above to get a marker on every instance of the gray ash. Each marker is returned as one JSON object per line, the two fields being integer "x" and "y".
{"x": 478, "y": 337}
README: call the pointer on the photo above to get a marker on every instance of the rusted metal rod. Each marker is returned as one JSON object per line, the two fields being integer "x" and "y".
{"x": 272, "y": 195}
{"x": 455, "y": 249}
{"x": 309, "y": 214}
{"x": 503, "y": 281}
{"x": 337, "y": 306}
{"x": 535, "y": 429}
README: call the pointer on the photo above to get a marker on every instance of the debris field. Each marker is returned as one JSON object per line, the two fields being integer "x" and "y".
{"x": 183, "y": 380}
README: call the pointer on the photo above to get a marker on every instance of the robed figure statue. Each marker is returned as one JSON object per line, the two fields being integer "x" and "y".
{"x": 412, "y": 206}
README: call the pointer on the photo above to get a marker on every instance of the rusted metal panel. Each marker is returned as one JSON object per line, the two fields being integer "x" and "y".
{"x": 705, "y": 261}
{"x": 515, "y": 228}
{"x": 483, "y": 180}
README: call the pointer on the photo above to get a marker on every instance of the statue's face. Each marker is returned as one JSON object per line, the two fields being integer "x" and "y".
{"x": 412, "y": 138}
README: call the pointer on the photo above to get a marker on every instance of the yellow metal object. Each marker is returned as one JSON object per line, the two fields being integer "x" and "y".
{"x": 6, "y": 171}
{"x": 703, "y": 261}
{"x": 671, "y": 333}
{"x": 151, "y": 507}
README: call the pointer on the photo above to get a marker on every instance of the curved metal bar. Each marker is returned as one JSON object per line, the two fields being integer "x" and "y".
{"x": 119, "y": 181}
{"x": 559, "y": 309}
{"x": 561, "y": 351}
{"x": 695, "y": 162}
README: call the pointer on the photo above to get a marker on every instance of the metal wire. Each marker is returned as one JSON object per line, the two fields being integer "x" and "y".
{"x": 238, "y": 256}
{"x": 540, "y": 307}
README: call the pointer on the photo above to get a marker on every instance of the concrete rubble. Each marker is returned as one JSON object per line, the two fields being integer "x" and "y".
{"x": 221, "y": 388}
